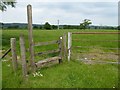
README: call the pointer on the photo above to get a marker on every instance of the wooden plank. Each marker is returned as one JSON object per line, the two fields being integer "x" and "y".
{"x": 42, "y": 62}
{"x": 23, "y": 56}
{"x": 6, "y": 53}
{"x": 96, "y": 33}
{"x": 46, "y": 43}
{"x": 14, "y": 54}
{"x": 30, "y": 36}
{"x": 48, "y": 52}
{"x": 69, "y": 45}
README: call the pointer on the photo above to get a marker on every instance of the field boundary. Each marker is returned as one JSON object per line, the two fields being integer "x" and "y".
{"x": 70, "y": 39}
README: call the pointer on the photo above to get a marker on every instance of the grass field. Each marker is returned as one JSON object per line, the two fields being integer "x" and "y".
{"x": 74, "y": 74}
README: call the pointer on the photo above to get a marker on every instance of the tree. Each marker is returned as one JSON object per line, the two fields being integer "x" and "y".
{"x": 47, "y": 26}
{"x": 82, "y": 26}
{"x": 118, "y": 27}
{"x": 5, "y": 3}
{"x": 85, "y": 24}
{"x": 54, "y": 27}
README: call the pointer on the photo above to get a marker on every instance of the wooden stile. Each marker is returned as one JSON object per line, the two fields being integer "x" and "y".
{"x": 14, "y": 54}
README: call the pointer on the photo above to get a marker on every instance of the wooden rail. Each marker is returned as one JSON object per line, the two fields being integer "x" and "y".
{"x": 46, "y": 43}
{"x": 6, "y": 53}
{"x": 48, "y": 52}
{"x": 40, "y": 63}
{"x": 96, "y": 40}
{"x": 96, "y": 33}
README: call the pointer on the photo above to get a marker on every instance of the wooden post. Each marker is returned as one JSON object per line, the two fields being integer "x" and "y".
{"x": 60, "y": 47}
{"x": 30, "y": 34}
{"x": 14, "y": 54}
{"x": 64, "y": 45}
{"x": 69, "y": 45}
{"x": 23, "y": 56}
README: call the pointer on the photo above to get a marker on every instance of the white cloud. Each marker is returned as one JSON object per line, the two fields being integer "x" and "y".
{"x": 69, "y": 0}
{"x": 104, "y": 13}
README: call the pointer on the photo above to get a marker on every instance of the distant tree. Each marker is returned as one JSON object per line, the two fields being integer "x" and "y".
{"x": 65, "y": 27}
{"x": 40, "y": 27}
{"x": 54, "y": 27}
{"x": 47, "y": 26}
{"x": 82, "y": 26}
{"x": 85, "y": 24}
{"x": 13, "y": 27}
{"x": 36, "y": 27}
{"x": 5, "y": 3}
{"x": 118, "y": 27}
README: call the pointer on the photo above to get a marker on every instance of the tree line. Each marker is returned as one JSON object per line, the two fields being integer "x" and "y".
{"x": 47, "y": 26}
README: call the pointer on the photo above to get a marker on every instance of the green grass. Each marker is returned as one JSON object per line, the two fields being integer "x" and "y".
{"x": 0, "y": 74}
{"x": 66, "y": 75}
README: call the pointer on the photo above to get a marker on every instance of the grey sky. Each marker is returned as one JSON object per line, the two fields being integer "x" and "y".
{"x": 101, "y": 13}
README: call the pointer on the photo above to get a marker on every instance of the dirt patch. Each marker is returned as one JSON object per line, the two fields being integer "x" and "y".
{"x": 97, "y": 55}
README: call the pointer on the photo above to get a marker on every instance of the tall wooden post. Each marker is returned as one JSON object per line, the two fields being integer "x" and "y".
{"x": 23, "y": 56}
{"x": 30, "y": 34}
{"x": 69, "y": 45}
{"x": 14, "y": 54}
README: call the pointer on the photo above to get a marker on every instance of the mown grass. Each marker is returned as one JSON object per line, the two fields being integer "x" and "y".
{"x": 66, "y": 75}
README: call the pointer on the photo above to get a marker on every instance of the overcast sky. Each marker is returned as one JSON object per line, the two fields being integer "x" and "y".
{"x": 68, "y": 12}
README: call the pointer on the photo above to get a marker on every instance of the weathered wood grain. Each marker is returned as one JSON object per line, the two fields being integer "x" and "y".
{"x": 43, "y": 62}
{"x": 30, "y": 36}
{"x": 14, "y": 54}
{"x": 23, "y": 56}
